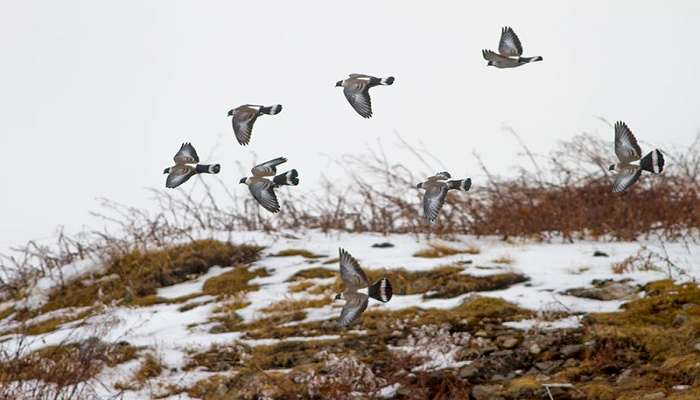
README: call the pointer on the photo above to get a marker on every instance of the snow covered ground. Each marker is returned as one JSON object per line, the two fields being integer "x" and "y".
{"x": 551, "y": 267}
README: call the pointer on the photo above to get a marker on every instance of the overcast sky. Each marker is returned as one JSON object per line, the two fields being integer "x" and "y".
{"x": 97, "y": 96}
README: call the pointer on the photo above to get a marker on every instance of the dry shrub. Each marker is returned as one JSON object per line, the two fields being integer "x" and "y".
{"x": 439, "y": 250}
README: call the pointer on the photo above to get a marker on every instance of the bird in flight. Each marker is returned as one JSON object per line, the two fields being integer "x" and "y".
{"x": 510, "y": 52}
{"x": 263, "y": 189}
{"x": 436, "y": 188}
{"x": 182, "y": 170}
{"x": 628, "y": 151}
{"x": 244, "y": 117}
{"x": 356, "y": 90}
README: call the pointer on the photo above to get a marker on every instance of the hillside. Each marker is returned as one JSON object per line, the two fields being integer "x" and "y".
{"x": 250, "y": 315}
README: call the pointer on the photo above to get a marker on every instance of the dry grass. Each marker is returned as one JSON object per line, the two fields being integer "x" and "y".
{"x": 439, "y": 250}
{"x": 313, "y": 273}
{"x": 233, "y": 282}
{"x": 297, "y": 252}
{"x": 505, "y": 260}
{"x": 286, "y": 306}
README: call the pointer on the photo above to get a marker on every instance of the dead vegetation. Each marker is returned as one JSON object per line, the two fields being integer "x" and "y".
{"x": 440, "y": 250}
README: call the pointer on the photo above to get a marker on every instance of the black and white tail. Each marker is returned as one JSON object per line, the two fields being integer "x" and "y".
{"x": 381, "y": 290}
{"x": 461, "y": 184}
{"x": 207, "y": 168}
{"x": 387, "y": 81}
{"x": 653, "y": 162}
{"x": 530, "y": 59}
{"x": 290, "y": 178}
{"x": 272, "y": 110}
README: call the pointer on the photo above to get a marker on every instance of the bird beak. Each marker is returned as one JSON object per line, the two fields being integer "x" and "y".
{"x": 230, "y": 113}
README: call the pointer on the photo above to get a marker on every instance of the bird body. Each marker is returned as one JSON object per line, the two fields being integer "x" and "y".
{"x": 183, "y": 171}
{"x": 244, "y": 118}
{"x": 510, "y": 52}
{"x": 631, "y": 163}
{"x": 436, "y": 188}
{"x": 357, "y": 289}
{"x": 356, "y": 91}
{"x": 263, "y": 189}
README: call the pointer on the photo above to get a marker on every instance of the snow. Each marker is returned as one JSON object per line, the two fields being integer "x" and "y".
{"x": 551, "y": 267}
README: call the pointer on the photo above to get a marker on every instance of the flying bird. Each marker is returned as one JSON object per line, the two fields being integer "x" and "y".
{"x": 357, "y": 289}
{"x": 436, "y": 188}
{"x": 510, "y": 52}
{"x": 263, "y": 189}
{"x": 244, "y": 117}
{"x": 628, "y": 151}
{"x": 356, "y": 90}
{"x": 182, "y": 171}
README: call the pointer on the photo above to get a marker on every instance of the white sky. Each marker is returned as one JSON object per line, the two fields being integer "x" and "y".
{"x": 97, "y": 96}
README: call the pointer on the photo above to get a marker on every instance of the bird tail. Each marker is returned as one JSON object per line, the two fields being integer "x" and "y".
{"x": 460, "y": 184}
{"x": 653, "y": 162}
{"x": 207, "y": 168}
{"x": 290, "y": 178}
{"x": 530, "y": 59}
{"x": 272, "y": 110}
{"x": 387, "y": 81}
{"x": 381, "y": 290}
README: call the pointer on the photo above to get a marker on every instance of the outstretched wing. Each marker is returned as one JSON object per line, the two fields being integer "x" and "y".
{"x": 350, "y": 272}
{"x": 626, "y": 177}
{"x": 186, "y": 155}
{"x": 268, "y": 168}
{"x": 355, "y": 305}
{"x": 265, "y": 195}
{"x": 433, "y": 200}
{"x": 356, "y": 91}
{"x": 509, "y": 45}
{"x": 440, "y": 176}
{"x": 178, "y": 175}
{"x": 242, "y": 121}
{"x": 626, "y": 147}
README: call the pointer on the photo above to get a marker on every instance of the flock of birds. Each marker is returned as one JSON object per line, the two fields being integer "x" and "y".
{"x": 265, "y": 180}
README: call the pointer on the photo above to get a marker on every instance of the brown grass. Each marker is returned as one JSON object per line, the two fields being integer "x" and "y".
{"x": 297, "y": 252}
{"x": 233, "y": 282}
{"x": 439, "y": 250}
{"x": 313, "y": 273}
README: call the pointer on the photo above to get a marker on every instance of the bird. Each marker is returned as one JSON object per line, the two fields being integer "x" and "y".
{"x": 244, "y": 117}
{"x": 182, "y": 171}
{"x": 436, "y": 188}
{"x": 356, "y": 90}
{"x": 628, "y": 151}
{"x": 357, "y": 289}
{"x": 510, "y": 52}
{"x": 263, "y": 189}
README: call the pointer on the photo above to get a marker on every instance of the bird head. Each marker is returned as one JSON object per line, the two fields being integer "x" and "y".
{"x": 339, "y": 83}
{"x": 230, "y": 113}
{"x": 243, "y": 180}
{"x": 611, "y": 167}
{"x": 166, "y": 171}
{"x": 338, "y": 296}
{"x": 489, "y": 63}
{"x": 419, "y": 186}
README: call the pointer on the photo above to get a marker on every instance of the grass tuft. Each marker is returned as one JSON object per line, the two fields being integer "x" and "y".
{"x": 438, "y": 250}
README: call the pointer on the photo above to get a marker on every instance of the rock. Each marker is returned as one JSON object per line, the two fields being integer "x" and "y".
{"x": 681, "y": 387}
{"x": 535, "y": 349}
{"x": 571, "y": 350}
{"x": 547, "y": 366}
{"x": 605, "y": 291}
{"x": 697, "y": 346}
{"x": 570, "y": 363}
{"x": 599, "y": 253}
{"x": 679, "y": 320}
{"x": 654, "y": 396}
{"x": 501, "y": 353}
{"x": 481, "y": 333}
{"x": 488, "y": 349}
{"x": 486, "y": 392}
{"x": 383, "y": 245}
{"x": 465, "y": 262}
{"x": 508, "y": 342}
{"x": 468, "y": 371}
{"x": 624, "y": 376}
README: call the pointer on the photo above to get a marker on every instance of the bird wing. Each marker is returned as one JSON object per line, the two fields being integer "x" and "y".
{"x": 494, "y": 57}
{"x": 626, "y": 177}
{"x": 356, "y": 91}
{"x": 355, "y": 305}
{"x": 433, "y": 200}
{"x": 268, "y": 168}
{"x": 242, "y": 121}
{"x": 178, "y": 175}
{"x": 626, "y": 146}
{"x": 360, "y": 76}
{"x": 263, "y": 192}
{"x": 440, "y": 176}
{"x": 509, "y": 45}
{"x": 350, "y": 272}
{"x": 186, "y": 155}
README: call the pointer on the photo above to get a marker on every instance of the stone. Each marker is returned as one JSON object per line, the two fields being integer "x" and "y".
{"x": 535, "y": 349}
{"x": 468, "y": 371}
{"x": 486, "y": 392}
{"x": 508, "y": 342}
{"x": 654, "y": 396}
{"x": 571, "y": 350}
{"x": 570, "y": 363}
{"x": 546, "y": 366}
{"x": 481, "y": 333}
{"x": 697, "y": 346}
{"x": 599, "y": 253}
{"x": 383, "y": 245}
{"x": 605, "y": 291}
